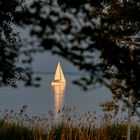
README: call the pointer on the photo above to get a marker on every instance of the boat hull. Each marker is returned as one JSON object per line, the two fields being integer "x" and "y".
{"x": 57, "y": 83}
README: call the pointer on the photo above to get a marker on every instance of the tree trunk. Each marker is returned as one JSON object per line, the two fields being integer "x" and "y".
{"x": 130, "y": 104}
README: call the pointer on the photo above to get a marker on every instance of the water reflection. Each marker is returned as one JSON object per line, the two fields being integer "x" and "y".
{"x": 59, "y": 91}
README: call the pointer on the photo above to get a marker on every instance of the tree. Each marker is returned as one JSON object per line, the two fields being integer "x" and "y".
{"x": 88, "y": 33}
{"x": 11, "y": 46}
{"x": 94, "y": 44}
{"x": 9, "y": 43}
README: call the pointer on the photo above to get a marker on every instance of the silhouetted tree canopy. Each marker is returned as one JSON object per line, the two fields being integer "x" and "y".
{"x": 9, "y": 42}
{"x": 96, "y": 36}
{"x": 11, "y": 47}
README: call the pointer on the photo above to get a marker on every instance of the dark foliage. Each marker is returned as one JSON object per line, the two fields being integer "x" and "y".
{"x": 97, "y": 36}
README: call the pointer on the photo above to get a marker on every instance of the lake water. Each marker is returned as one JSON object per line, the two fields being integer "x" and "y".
{"x": 41, "y": 100}
{"x": 46, "y": 98}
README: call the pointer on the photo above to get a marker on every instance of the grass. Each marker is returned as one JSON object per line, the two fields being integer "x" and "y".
{"x": 9, "y": 131}
{"x": 19, "y": 126}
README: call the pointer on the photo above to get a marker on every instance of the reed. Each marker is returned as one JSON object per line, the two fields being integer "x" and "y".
{"x": 69, "y": 126}
{"x": 9, "y": 131}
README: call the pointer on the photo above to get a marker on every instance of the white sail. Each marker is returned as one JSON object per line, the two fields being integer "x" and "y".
{"x": 62, "y": 77}
{"x": 57, "y": 73}
{"x": 59, "y": 77}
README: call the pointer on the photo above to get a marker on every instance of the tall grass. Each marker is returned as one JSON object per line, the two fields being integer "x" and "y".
{"x": 10, "y": 131}
{"x": 69, "y": 126}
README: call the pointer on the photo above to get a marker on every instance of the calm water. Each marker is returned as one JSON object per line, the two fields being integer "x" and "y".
{"x": 41, "y": 100}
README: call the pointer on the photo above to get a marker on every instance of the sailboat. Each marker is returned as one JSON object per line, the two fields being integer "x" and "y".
{"x": 59, "y": 78}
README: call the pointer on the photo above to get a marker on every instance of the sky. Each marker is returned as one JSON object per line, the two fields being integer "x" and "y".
{"x": 46, "y": 61}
